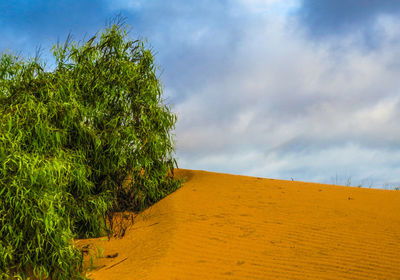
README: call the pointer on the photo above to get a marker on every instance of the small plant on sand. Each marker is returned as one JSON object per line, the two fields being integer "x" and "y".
{"x": 68, "y": 140}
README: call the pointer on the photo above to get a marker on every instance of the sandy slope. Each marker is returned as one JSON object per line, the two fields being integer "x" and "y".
{"x": 220, "y": 226}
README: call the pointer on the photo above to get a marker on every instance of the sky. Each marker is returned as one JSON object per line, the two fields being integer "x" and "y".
{"x": 301, "y": 90}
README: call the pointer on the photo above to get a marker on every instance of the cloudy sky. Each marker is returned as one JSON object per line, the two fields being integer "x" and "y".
{"x": 284, "y": 89}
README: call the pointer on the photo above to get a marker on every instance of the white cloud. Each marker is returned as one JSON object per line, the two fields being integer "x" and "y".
{"x": 378, "y": 115}
{"x": 242, "y": 122}
{"x": 287, "y": 107}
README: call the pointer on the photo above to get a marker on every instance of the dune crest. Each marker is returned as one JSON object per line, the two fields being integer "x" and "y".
{"x": 220, "y": 226}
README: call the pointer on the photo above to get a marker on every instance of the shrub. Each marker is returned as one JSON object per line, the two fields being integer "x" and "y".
{"x": 68, "y": 140}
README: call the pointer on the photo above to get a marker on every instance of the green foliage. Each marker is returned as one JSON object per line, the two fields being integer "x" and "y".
{"x": 68, "y": 139}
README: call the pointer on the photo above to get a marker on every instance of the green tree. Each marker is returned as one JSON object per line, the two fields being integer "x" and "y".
{"x": 68, "y": 140}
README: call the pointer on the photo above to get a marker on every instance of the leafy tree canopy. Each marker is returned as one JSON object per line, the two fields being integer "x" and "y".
{"x": 68, "y": 140}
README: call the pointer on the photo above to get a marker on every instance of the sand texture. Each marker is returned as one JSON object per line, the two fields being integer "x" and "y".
{"x": 220, "y": 226}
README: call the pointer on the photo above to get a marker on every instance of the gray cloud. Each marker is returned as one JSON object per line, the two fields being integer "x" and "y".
{"x": 295, "y": 109}
{"x": 326, "y": 18}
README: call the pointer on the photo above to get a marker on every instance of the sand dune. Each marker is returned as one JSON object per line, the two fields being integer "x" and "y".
{"x": 220, "y": 226}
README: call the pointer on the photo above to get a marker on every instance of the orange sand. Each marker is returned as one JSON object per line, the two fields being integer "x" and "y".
{"x": 220, "y": 226}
